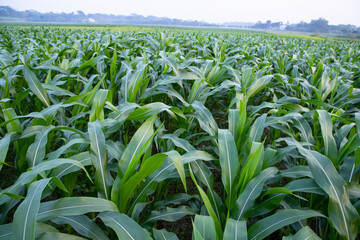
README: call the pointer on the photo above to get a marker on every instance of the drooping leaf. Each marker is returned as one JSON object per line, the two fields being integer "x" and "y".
{"x": 170, "y": 214}
{"x": 304, "y": 233}
{"x": 36, "y": 151}
{"x": 125, "y": 227}
{"x": 341, "y": 211}
{"x": 73, "y": 206}
{"x": 83, "y": 225}
{"x": 268, "y": 225}
{"x": 27, "y": 177}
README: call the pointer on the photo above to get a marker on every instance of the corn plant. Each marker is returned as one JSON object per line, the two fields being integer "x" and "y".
{"x": 177, "y": 134}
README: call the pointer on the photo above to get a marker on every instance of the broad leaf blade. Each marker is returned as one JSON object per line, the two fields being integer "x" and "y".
{"x": 229, "y": 163}
{"x": 205, "y": 226}
{"x": 36, "y": 151}
{"x": 25, "y": 215}
{"x": 72, "y": 206}
{"x": 164, "y": 235}
{"x": 36, "y": 86}
{"x": 235, "y": 230}
{"x": 139, "y": 139}
{"x": 83, "y": 225}
{"x": 4, "y": 146}
{"x": 327, "y": 130}
{"x": 103, "y": 179}
{"x": 268, "y": 225}
{"x": 125, "y": 227}
{"x": 341, "y": 211}
{"x": 246, "y": 200}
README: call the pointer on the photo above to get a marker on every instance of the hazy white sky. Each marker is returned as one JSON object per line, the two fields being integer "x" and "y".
{"x": 216, "y": 11}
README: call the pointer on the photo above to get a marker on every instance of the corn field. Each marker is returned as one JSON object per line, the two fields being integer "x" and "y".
{"x": 177, "y": 135}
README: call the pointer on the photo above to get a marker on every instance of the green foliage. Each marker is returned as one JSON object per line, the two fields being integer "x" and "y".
{"x": 116, "y": 135}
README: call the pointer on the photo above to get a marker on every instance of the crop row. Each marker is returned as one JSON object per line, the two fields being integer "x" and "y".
{"x": 120, "y": 135}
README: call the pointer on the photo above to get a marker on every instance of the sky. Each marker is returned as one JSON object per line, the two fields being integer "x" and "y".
{"x": 213, "y": 11}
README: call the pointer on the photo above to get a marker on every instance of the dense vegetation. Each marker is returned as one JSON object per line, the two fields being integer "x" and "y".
{"x": 320, "y": 25}
{"x": 315, "y": 26}
{"x": 10, "y": 14}
{"x": 120, "y": 135}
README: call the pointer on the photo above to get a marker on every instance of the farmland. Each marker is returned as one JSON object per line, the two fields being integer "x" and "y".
{"x": 175, "y": 134}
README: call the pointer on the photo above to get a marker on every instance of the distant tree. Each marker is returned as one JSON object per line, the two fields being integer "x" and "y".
{"x": 80, "y": 13}
{"x": 320, "y": 25}
{"x": 276, "y": 25}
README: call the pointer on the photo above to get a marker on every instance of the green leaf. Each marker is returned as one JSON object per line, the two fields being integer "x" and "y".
{"x": 327, "y": 130}
{"x": 170, "y": 214}
{"x": 235, "y": 230}
{"x": 83, "y": 225}
{"x": 179, "y": 142}
{"x": 6, "y": 231}
{"x": 83, "y": 158}
{"x": 171, "y": 62}
{"x": 139, "y": 139}
{"x": 341, "y": 211}
{"x": 252, "y": 165}
{"x": 36, "y": 86}
{"x": 97, "y": 109}
{"x": 136, "y": 80}
{"x": 148, "y": 110}
{"x": 90, "y": 63}
{"x": 209, "y": 208}
{"x": 304, "y": 233}
{"x": 25, "y": 216}
{"x": 128, "y": 187}
{"x": 205, "y": 118}
{"x": 28, "y": 176}
{"x": 264, "y": 227}
{"x": 257, "y": 129}
{"x": 166, "y": 169}
{"x": 354, "y": 190}
{"x": 229, "y": 163}
{"x": 258, "y": 85}
{"x": 205, "y": 227}
{"x": 62, "y": 149}
{"x": 296, "y": 172}
{"x": 305, "y": 129}
{"x": 164, "y": 235}
{"x": 307, "y": 185}
{"x": 36, "y": 151}
{"x": 357, "y": 156}
{"x": 103, "y": 179}
{"x": 357, "y": 120}
{"x": 203, "y": 173}
{"x": 59, "y": 236}
{"x": 246, "y": 200}
{"x": 43, "y": 228}
{"x": 177, "y": 160}
{"x": 4, "y": 146}
{"x": 72, "y": 206}
{"x": 125, "y": 227}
